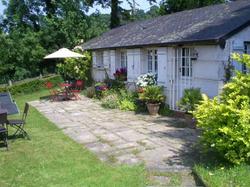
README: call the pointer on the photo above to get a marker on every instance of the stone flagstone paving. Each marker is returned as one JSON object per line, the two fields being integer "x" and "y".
{"x": 161, "y": 143}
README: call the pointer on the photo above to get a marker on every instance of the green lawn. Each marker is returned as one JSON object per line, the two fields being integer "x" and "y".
{"x": 52, "y": 159}
{"x": 215, "y": 172}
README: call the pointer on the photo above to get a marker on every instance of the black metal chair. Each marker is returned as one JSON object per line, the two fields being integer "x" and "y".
{"x": 3, "y": 129}
{"x": 19, "y": 123}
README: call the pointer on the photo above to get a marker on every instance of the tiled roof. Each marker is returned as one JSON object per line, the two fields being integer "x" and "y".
{"x": 208, "y": 24}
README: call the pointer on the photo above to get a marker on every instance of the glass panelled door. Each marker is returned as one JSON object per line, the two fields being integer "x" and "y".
{"x": 152, "y": 61}
{"x": 182, "y": 74}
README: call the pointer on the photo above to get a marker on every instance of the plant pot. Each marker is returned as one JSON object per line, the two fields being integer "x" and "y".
{"x": 153, "y": 108}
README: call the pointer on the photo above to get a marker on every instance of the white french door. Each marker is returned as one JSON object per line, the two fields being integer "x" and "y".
{"x": 182, "y": 75}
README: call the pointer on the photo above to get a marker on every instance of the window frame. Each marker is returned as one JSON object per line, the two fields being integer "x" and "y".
{"x": 152, "y": 60}
{"x": 99, "y": 59}
{"x": 185, "y": 62}
{"x": 124, "y": 59}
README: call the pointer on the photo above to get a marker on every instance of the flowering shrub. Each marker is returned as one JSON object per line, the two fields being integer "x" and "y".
{"x": 148, "y": 79}
{"x": 100, "y": 88}
{"x": 121, "y": 74}
{"x": 225, "y": 120}
{"x": 76, "y": 68}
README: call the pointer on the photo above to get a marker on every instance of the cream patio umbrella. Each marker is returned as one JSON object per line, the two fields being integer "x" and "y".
{"x": 63, "y": 53}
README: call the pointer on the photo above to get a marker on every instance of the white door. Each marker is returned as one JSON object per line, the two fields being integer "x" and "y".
{"x": 182, "y": 77}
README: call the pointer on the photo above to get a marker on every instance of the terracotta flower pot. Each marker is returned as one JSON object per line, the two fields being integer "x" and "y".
{"x": 153, "y": 108}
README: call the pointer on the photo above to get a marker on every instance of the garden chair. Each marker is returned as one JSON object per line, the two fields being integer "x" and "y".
{"x": 3, "y": 129}
{"x": 18, "y": 124}
{"x": 76, "y": 90}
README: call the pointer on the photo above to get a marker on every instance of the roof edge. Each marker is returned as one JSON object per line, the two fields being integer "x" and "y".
{"x": 235, "y": 31}
{"x": 169, "y": 44}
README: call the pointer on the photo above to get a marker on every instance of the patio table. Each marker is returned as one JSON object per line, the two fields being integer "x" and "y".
{"x": 7, "y": 104}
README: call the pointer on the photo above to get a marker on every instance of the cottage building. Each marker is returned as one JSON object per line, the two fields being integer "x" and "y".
{"x": 185, "y": 49}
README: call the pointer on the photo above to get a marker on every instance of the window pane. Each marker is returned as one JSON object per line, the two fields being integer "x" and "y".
{"x": 150, "y": 65}
{"x": 156, "y": 62}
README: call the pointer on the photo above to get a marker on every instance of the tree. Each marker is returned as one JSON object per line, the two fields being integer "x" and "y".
{"x": 115, "y": 20}
{"x": 171, "y": 6}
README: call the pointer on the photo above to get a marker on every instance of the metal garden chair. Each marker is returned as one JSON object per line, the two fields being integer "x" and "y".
{"x": 3, "y": 129}
{"x": 18, "y": 124}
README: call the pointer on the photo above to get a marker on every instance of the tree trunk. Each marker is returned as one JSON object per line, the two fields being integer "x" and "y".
{"x": 115, "y": 20}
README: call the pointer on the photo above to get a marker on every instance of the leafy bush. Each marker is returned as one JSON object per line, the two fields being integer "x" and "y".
{"x": 90, "y": 92}
{"x": 31, "y": 85}
{"x": 110, "y": 100}
{"x": 164, "y": 110}
{"x": 127, "y": 100}
{"x": 225, "y": 120}
{"x": 190, "y": 99}
{"x": 127, "y": 105}
{"x": 115, "y": 84}
{"x": 148, "y": 79}
{"x": 152, "y": 94}
{"x": 76, "y": 68}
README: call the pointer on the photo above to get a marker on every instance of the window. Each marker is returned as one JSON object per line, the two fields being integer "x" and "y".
{"x": 186, "y": 63}
{"x": 124, "y": 59}
{"x": 99, "y": 59}
{"x": 152, "y": 61}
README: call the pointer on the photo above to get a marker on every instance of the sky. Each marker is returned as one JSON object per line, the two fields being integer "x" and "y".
{"x": 141, "y": 4}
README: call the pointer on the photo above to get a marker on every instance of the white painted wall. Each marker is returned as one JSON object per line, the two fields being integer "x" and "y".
{"x": 208, "y": 69}
{"x": 236, "y": 44}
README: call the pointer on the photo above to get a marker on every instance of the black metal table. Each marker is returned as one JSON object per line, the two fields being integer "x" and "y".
{"x": 7, "y": 105}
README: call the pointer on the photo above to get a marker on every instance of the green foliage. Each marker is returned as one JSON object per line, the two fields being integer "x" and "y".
{"x": 90, "y": 92}
{"x": 190, "y": 99}
{"x": 225, "y": 120}
{"x": 171, "y": 6}
{"x": 115, "y": 84}
{"x": 127, "y": 105}
{"x": 164, "y": 110}
{"x": 63, "y": 162}
{"x": 152, "y": 94}
{"x": 127, "y": 100}
{"x": 31, "y": 29}
{"x": 76, "y": 68}
{"x": 32, "y": 85}
{"x": 110, "y": 100}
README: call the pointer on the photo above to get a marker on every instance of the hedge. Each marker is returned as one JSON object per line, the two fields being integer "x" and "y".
{"x": 31, "y": 85}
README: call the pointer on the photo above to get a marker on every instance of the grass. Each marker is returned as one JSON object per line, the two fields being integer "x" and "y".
{"x": 174, "y": 178}
{"x": 50, "y": 158}
{"x": 216, "y": 172}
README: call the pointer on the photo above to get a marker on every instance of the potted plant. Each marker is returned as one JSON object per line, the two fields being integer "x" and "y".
{"x": 153, "y": 96}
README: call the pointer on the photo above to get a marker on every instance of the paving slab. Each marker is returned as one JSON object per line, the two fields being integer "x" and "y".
{"x": 161, "y": 143}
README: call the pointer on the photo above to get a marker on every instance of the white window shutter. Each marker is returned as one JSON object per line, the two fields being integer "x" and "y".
{"x": 113, "y": 62}
{"x": 94, "y": 59}
{"x": 162, "y": 66}
{"x": 106, "y": 59}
